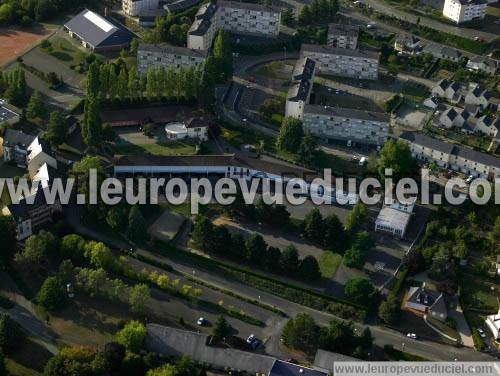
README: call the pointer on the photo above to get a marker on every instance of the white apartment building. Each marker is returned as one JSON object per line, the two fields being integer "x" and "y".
{"x": 464, "y": 10}
{"x": 249, "y": 18}
{"x": 136, "y": 7}
{"x": 164, "y": 56}
{"x": 343, "y": 36}
{"x": 457, "y": 158}
{"x": 345, "y": 124}
{"x": 239, "y": 18}
{"x": 360, "y": 64}
{"x": 202, "y": 31}
{"x": 300, "y": 90}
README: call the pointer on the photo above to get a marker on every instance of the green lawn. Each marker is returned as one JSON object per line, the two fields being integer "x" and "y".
{"x": 394, "y": 354}
{"x": 415, "y": 92}
{"x": 493, "y": 11}
{"x": 480, "y": 293}
{"x": 329, "y": 262}
{"x": 63, "y": 50}
{"x": 172, "y": 148}
{"x": 238, "y": 136}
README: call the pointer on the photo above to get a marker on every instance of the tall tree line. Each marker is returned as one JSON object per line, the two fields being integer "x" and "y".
{"x": 318, "y": 11}
{"x": 13, "y": 87}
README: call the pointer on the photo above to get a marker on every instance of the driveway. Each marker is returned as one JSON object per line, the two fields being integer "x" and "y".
{"x": 462, "y": 326}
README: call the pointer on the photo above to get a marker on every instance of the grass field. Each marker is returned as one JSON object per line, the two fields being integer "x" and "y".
{"x": 63, "y": 50}
{"x": 172, "y": 148}
{"x": 493, "y": 11}
{"x": 329, "y": 262}
{"x": 480, "y": 293}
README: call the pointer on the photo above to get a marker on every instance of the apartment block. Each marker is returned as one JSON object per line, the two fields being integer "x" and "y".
{"x": 464, "y": 10}
{"x": 344, "y": 124}
{"x": 300, "y": 90}
{"x": 238, "y": 18}
{"x": 136, "y": 7}
{"x": 248, "y": 18}
{"x": 164, "y": 56}
{"x": 343, "y": 36}
{"x": 360, "y": 64}
{"x": 454, "y": 157}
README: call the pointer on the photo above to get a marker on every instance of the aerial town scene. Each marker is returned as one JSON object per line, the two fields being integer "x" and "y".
{"x": 249, "y": 187}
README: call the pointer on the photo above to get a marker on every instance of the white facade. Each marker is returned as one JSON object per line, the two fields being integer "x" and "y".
{"x": 158, "y": 56}
{"x": 235, "y": 17}
{"x": 343, "y": 124}
{"x": 179, "y": 131}
{"x": 488, "y": 125}
{"x": 300, "y": 90}
{"x": 37, "y": 157}
{"x": 136, "y": 7}
{"x": 392, "y": 221}
{"x": 464, "y": 10}
{"x": 343, "y": 36}
{"x": 493, "y": 324}
{"x": 343, "y": 62}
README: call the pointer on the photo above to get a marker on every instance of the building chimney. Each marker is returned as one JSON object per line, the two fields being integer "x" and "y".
{"x": 105, "y": 11}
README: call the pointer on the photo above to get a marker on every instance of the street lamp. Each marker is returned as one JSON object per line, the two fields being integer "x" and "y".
{"x": 284, "y": 50}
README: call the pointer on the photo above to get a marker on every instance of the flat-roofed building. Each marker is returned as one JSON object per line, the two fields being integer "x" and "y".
{"x": 137, "y": 7}
{"x": 249, "y": 18}
{"x": 392, "y": 221}
{"x": 361, "y": 64}
{"x": 300, "y": 90}
{"x": 464, "y": 10}
{"x": 98, "y": 33}
{"x": 158, "y": 56}
{"x": 343, "y": 36}
{"x": 349, "y": 125}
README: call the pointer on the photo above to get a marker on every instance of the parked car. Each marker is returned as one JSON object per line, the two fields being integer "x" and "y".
{"x": 253, "y": 341}
{"x": 469, "y": 179}
{"x": 412, "y": 335}
{"x": 201, "y": 321}
{"x": 481, "y": 332}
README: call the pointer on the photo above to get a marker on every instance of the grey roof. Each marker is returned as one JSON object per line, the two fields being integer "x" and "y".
{"x": 248, "y": 6}
{"x": 180, "y": 5}
{"x": 302, "y": 74}
{"x": 176, "y": 342}
{"x": 422, "y": 296}
{"x": 342, "y": 29}
{"x": 451, "y": 114}
{"x": 281, "y": 368}
{"x": 445, "y": 147}
{"x": 406, "y": 39}
{"x": 441, "y": 51}
{"x": 443, "y": 84}
{"x": 12, "y": 137}
{"x": 329, "y": 50}
{"x": 206, "y": 11}
{"x": 473, "y": 2}
{"x": 6, "y": 114}
{"x": 164, "y": 48}
{"x": 439, "y": 305}
{"x": 447, "y": 51}
{"x": 347, "y": 113}
{"x": 489, "y": 121}
{"x": 455, "y": 86}
{"x": 472, "y": 109}
{"x": 200, "y": 26}
{"x": 112, "y": 34}
{"x": 22, "y": 210}
{"x": 325, "y": 359}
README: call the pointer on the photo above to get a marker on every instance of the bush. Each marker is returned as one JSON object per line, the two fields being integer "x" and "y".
{"x": 132, "y": 336}
{"x": 11, "y": 335}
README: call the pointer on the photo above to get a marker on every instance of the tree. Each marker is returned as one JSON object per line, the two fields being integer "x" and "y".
{"x": 36, "y": 107}
{"x": 339, "y": 337}
{"x": 414, "y": 261}
{"x": 290, "y": 135}
{"x": 139, "y": 296}
{"x": 356, "y": 217}
{"x": 442, "y": 265}
{"x": 396, "y": 155}
{"x": 290, "y": 260}
{"x": 99, "y": 255}
{"x": 93, "y": 84}
{"x": 56, "y": 132}
{"x": 313, "y": 226}
{"x": 52, "y": 294}
{"x": 66, "y": 271}
{"x": 137, "y": 227}
{"x": 495, "y": 236}
{"x": 3, "y": 367}
{"x": 334, "y": 237}
{"x": 166, "y": 369}
{"x": 287, "y": 17}
{"x": 307, "y": 149}
{"x": 221, "y": 329}
{"x": 355, "y": 258}
{"x": 117, "y": 217}
{"x": 114, "y": 353}
{"x": 256, "y": 249}
{"x": 132, "y": 336}
{"x": 36, "y": 247}
{"x": 72, "y": 246}
{"x": 8, "y": 236}
{"x": 223, "y": 55}
{"x": 11, "y": 335}
{"x": 273, "y": 260}
{"x": 359, "y": 290}
{"x": 301, "y": 332}
{"x": 389, "y": 311}
{"x": 309, "y": 269}
{"x": 92, "y": 125}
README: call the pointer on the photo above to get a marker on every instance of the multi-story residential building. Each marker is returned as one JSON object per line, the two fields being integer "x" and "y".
{"x": 457, "y": 158}
{"x": 164, "y": 56}
{"x": 239, "y": 18}
{"x": 464, "y": 10}
{"x": 343, "y": 36}
{"x": 361, "y": 64}
{"x": 137, "y": 7}
{"x": 203, "y": 30}
{"x": 249, "y": 18}
{"x": 344, "y": 124}
{"x": 300, "y": 90}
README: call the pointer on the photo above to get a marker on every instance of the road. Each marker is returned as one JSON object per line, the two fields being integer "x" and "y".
{"x": 390, "y": 10}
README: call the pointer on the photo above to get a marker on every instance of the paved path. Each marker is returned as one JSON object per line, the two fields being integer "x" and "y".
{"x": 462, "y": 327}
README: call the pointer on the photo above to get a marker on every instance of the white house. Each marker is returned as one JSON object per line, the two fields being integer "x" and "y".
{"x": 464, "y": 10}
{"x": 488, "y": 125}
{"x": 431, "y": 102}
{"x": 394, "y": 217}
{"x": 454, "y": 118}
{"x": 477, "y": 96}
{"x": 427, "y": 301}
{"x": 192, "y": 128}
{"x": 483, "y": 64}
{"x": 15, "y": 146}
{"x": 38, "y": 155}
{"x": 493, "y": 324}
